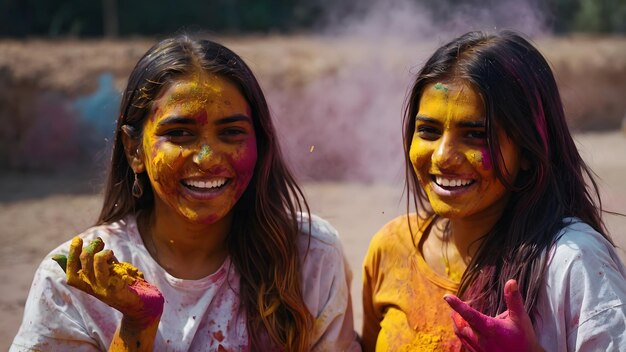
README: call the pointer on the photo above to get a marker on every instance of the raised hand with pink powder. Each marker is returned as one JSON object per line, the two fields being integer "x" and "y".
{"x": 96, "y": 271}
{"x": 509, "y": 331}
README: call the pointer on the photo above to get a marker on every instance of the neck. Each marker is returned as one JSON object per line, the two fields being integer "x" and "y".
{"x": 466, "y": 233}
{"x": 186, "y": 250}
{"x": 451, "y": 243}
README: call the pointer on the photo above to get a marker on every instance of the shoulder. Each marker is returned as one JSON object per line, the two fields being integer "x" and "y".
{"x": 585, "y": 263}
{"x": 396, "y": 239}
{"x": 585, "y": 290}
{"x": 325, "y": 285}
{"x": 579, "y": 242}
{"x": 318, "y": 234}
{"x": 322, "y": 258}
{"x": 398, "y": 232}
{"x": 319, "y": 245}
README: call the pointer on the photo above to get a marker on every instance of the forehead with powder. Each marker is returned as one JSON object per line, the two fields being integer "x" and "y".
{"x": 198, "y": 86}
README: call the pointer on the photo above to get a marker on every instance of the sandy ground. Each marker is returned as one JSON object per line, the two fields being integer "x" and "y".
{"x": 37, "y": 212}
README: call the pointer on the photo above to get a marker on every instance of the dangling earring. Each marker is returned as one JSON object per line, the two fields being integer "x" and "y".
{"x": 137, "y": 190}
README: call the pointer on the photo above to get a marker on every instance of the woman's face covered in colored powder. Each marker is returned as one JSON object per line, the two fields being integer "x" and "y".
{"x": 199, "y": 148}
{"x": 450, "y": 155}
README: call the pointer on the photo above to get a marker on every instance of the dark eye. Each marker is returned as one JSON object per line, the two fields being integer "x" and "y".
{"x": 478, "y": 135}
{"x": 233, "y": 131}
{"x": 177, "y": 133}
{"x": 427, "y": 132}
{"x": 233, "y": 134}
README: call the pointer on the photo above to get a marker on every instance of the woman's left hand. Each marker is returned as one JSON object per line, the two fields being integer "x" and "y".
{"x": 511, "y": 330}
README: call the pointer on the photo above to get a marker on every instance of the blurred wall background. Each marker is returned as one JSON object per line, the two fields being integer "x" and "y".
{"x": 336, "y": 73}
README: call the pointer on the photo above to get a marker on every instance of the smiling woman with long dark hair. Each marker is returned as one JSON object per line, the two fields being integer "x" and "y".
{"x": 508, "y": 216}
{"x": 204, "y": 241}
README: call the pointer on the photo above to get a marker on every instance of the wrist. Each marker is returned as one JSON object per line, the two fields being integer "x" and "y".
{"x": 135, "y": 336}
{"x": 134, "y": 324}
{"x": 152, "y": 305}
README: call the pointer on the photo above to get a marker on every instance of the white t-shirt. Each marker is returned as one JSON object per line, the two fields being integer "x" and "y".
{"x": 199, "y": 315}
{"x": 582, "y": 307}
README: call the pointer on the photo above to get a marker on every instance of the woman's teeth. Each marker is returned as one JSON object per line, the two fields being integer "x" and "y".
{"x": 206, "y": 184}
{"x": 451, "y": 182}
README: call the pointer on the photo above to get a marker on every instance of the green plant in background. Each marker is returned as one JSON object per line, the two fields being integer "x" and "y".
{"x": 21, "y": 18}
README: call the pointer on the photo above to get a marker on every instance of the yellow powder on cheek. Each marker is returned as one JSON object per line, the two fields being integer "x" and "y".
{"x": 475, "y": 158}
{"x": 418, "y": 154}
{"x": 413, "y": 151}
{"x": 479, "y": 159}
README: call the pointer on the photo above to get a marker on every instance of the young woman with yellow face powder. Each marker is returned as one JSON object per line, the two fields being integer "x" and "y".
{"x": 204, "y": 242}
{"x": 507, "y": 217}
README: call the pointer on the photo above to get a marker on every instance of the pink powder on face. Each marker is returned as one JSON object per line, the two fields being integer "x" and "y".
{"x": 244, "y": 164}
{"x": 211, "y": 219}
{"x": 487, "y": 164}
{"x": 202, "y": 118}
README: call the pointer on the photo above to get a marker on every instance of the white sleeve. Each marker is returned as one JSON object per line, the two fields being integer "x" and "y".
{"x": 52, "y": 321}
{"x": 326, "y": 289}
{"x": 583, "y": 307}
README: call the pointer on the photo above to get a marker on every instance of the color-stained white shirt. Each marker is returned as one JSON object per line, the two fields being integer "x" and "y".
{"x": 582, "y": 306}
{"x": 199, "y": 315}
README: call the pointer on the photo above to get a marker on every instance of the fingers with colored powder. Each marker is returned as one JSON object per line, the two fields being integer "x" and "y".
{"x": 96, "y": 271}
{"x": 510, "y": 331}
{"x": 61, "y": 260}
{"x": 86, "y": 260}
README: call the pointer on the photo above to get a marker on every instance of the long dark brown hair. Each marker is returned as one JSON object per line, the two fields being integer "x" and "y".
{"x": 521, "y": 97}
{"x": 262, "y": 241}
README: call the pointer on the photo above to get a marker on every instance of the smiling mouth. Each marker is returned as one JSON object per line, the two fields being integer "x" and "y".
{"x": 206, "y": 185}
{"x": 452, "y": 183}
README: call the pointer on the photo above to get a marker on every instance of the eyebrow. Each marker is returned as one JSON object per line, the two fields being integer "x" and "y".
{"x": 466, "y": 124}
{"x": 181, "y": 120}
{"x": 178, "y": 120}
{"x": 233, "y": 118}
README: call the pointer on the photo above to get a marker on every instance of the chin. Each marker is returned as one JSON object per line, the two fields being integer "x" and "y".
{"x": 449, "y": 213}
{"x": 206, "y": 219}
